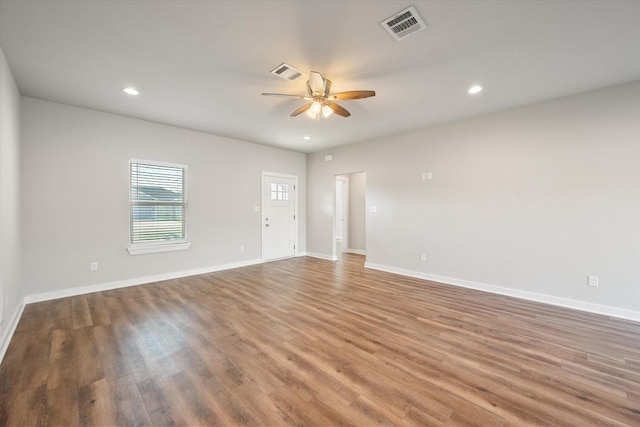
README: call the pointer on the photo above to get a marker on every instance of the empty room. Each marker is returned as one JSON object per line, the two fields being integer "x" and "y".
{"x": 319, "y": 213}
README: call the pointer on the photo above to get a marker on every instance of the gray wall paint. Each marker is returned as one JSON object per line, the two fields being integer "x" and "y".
{"x": 532, "y": 199}
{"x": 75, "y": 198}
{"x": 10, "y": 269}
{"x": 357, "y": 211}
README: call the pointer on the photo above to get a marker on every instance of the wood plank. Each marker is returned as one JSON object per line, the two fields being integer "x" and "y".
{"x": 62, "y": 360}
{"x": 81, "y": 314}
{"x": 95, "y": 404}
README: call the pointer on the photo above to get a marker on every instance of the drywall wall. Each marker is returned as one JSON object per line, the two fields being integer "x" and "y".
{"x": 10, "y": 277}
{"x": 76, "y": 196}
{"x": 357, "y": 212}
{"x": 528, "y": 201}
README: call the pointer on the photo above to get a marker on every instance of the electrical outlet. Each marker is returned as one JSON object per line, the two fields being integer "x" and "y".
{"x": 423, "y": 257}
{"x": 94, "y": 266}
{"x": 593, "y": 281}
{"x": 241, "y": 248}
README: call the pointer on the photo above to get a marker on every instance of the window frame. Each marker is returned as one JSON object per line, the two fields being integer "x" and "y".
{"x": 138, "y": 248}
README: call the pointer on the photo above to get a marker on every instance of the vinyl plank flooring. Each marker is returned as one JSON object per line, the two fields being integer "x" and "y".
{"x": 306, "y": 342}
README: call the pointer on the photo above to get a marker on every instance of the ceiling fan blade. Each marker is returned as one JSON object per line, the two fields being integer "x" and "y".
{"x": 341, "y": 111}
{"x": 316, "y": 84}
{"x": 284, "y": 94}
{"x": 302, "y": 109}
{"x": 352, "y": 94}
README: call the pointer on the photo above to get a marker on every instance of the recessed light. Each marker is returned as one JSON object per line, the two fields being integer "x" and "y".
{"x": 474, "y": 89}
{"x": 130, "y": 91}
{"x": 306, "y": 137}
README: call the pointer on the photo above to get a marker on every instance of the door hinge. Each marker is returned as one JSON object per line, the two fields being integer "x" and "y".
{"x": 294, "y": 217}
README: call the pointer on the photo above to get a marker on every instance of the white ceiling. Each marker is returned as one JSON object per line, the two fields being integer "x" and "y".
{"x": 202, "y": 65}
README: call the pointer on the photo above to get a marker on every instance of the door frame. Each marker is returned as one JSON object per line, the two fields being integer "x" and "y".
{"x": 347, "y": 176}
{"x": 295, "y": 210}
{"x": 344, "y": 179}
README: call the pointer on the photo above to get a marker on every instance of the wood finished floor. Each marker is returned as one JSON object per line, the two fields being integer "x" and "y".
{"x": 311, "y": 342}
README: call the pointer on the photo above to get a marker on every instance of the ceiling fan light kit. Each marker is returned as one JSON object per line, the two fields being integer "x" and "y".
{"x": 321, "y": 101}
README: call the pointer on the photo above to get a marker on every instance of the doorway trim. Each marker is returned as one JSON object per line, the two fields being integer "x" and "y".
{"x": 344, "y": 180}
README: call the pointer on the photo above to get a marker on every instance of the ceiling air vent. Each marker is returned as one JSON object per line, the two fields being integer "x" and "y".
{"x": 286, "y": 72}
{"x": 404, "y": 23}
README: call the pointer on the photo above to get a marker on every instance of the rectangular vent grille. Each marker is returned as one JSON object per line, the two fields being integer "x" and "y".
{"x": 286, "y": 72}
{"x": 404, "y": 23}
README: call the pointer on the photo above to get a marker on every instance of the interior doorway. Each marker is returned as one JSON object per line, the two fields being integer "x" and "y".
{"x": 349, "y": 231}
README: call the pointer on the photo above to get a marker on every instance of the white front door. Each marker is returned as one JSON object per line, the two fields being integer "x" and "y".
{"x": 278, "y": 216}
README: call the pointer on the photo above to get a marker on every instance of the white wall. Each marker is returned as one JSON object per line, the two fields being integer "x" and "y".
{"x": 526, "y": 202}
{"x": 76, "y": 188}
{"x": 10, "y": 269}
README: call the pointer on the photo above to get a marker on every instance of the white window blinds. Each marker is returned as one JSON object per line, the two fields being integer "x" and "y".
{"x": 158, "y": 203}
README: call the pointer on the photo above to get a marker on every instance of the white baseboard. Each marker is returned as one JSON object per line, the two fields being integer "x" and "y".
{"x": 531, "y": 296}
{"x": 13, "y": 324}
{"x": 356, "y": 251}
{"x": 322, "y": 256}
{"x": 46, "y": 296}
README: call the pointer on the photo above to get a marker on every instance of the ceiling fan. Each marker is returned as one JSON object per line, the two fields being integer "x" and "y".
{"x": 321, "y": 100}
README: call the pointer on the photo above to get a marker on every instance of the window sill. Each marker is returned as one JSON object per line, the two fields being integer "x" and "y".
{"x": 157, "y": 247}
